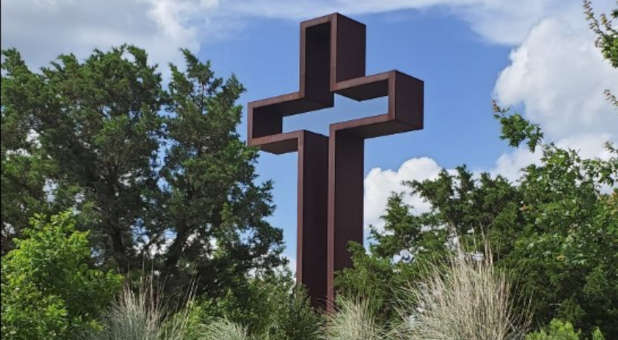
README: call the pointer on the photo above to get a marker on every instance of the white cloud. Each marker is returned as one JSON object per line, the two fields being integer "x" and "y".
{"x": 559, "y": 76}
{"x": 42, "y": 30}
{"x": 510, "y": 164}
{"x": 379, "y": 184}
{"x": 498, "y": 21}
{"x": 588, "y": 145}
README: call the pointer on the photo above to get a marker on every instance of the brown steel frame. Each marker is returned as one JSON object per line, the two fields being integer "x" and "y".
{"x": 330, "y": 169}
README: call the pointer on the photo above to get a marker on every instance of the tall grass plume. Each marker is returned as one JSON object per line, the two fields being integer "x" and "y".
{"x": 141, "y": 315}
{"x": 466, "y": 299}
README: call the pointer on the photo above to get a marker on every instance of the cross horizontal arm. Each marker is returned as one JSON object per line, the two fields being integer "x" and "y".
{"x": 330, "y": 169}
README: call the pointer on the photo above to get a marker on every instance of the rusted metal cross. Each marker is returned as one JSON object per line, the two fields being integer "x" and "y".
{"x": 330, "y": 169}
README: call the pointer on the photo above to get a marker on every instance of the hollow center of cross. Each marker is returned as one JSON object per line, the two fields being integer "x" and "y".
{"x": 330, "y": 168}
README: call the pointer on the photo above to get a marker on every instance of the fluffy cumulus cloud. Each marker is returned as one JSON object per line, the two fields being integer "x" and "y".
{"x": 559, "y": 76}
{"x": 555, "y": 73}
{"x": 380, "y": 184}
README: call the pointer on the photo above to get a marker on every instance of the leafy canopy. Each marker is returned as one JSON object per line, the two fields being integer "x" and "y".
{"x": 158, "y": 175}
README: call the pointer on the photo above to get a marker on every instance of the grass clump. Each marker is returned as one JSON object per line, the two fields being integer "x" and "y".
{"x": 468, "y": 299}
{"x": 141, "y": 315}
{"x": 353, "y": 320}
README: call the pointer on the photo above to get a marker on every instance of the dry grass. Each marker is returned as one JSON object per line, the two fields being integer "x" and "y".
{"x": 142, "y": 316}
{"x": 468, "y": 300}
{"x": 224, "y": 329}
{"x": 353, "y": 321}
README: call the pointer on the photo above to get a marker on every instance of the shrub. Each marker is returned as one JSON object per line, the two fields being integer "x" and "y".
{"x": 50, "y": 289}
{"x": 353, "y": 320}
{"x": 141, "y": 315}
{"x": 270, "y": 307}
{"x": 561, "y": 330}
{"x": 224, "y": 329}
{"x": 467, "y": 300}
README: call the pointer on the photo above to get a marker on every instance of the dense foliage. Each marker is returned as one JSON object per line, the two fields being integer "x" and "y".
{"x": 49, "y": 290}
{"x": 555, "y": 231}
{"x": 271, "y": 308}
{"x": 559, "y": 330}
{"x": 159, "y": 177}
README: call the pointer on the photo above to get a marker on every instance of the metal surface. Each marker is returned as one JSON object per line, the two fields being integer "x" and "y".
{"x": 330, "y": 169}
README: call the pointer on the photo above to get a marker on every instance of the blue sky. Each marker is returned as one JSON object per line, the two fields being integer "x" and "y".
{"x": 535, "y": 55}
{"x": 459, "y": 70}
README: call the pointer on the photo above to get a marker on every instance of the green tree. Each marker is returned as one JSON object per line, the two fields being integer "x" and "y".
{"x": 555, "y": 230}
{"x": 25, "y": 169}
{"x": 158, "y": 176}
{"x": 213, "y": 206}
{"x": 97, "y": 123}
{"x": 559, "y": 330}
{"x": 50, "y": 287}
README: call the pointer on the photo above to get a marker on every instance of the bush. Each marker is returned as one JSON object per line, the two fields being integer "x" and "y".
{"x": 269, "y": 307}
{"x": 561, "y": 330}
{"x": 50, "y": 289}
{"x": 141, "y": 315}
{"x": 224, "y": 329}
{"x": 467, "y": 300}
{"x": 353, "y": 320}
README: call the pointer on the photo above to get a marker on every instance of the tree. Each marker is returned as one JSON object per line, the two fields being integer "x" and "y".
{"x": 97, "y": 122}
{"x": 25, "y": 168}
{"x": 158, "y": 176}
{"x": 213, "y": 206}
{"x": 554, "y": 230}
{"x": 50, "y": 289}
{"x": 558, "y": 330}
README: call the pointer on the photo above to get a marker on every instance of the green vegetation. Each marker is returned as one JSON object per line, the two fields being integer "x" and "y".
{"x": 143, "y": 166}
{"x": 466, "y": 299}
{"x": 554, "y": 232}
{"x": 558, "y": 330}
{"x": 49, "y": 290}
{"x": 109, "y": 177}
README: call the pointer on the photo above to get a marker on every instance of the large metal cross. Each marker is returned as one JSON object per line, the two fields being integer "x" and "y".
{"x": 330, "y": 169}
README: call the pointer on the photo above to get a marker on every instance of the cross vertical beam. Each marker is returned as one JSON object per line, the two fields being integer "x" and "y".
{"x": 345, "y": 201}
{"x": 330, "y": 169}
{"x": 312, "y": 197}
